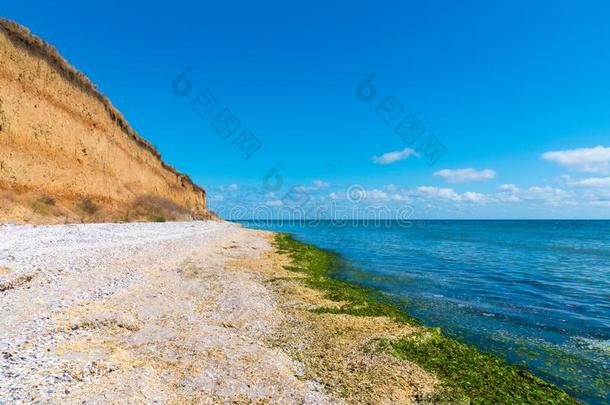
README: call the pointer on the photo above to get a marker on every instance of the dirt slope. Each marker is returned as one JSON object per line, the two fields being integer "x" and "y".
{"x": 67, "y": 155}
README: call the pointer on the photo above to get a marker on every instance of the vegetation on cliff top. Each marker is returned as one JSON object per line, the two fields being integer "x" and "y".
{"x": 467, "y": 375}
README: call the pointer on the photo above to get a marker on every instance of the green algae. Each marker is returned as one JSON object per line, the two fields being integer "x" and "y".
{"x": 467, "y": 375}
{"x": 319, "y": 265}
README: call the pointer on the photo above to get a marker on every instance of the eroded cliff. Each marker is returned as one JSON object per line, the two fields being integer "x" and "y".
{"x": 67, "y": 155}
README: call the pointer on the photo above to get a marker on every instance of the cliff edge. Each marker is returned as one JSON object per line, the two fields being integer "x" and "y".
{"x": 68, "y": 155}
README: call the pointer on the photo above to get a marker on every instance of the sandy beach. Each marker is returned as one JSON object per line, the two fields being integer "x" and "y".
{"x": 199, "y": 312}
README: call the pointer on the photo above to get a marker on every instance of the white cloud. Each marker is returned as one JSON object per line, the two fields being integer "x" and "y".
{"x": 216, "y": 197}
{"x": 452, "y": 195}
{"x": 592, "y": 160}
{"x": 508, "y": 193}
{"x": 376, "y": 194}
{"x": 230, "y": 187}
{"x": 392, "y": 157}
{"x": 593, "y": 190}
{"x": 601, "y": 203}
{"x": 386, "y": 194}
{"x": 547, "y": 195}
{"x": 319, "y": 184}
{"x": 315, "y": 185}
{"x": 535, "y": 196}
{"x": 508, "y": 187}
{"x": 382, "y": 195}
{"x": 591, "y": 182}
{"x": 399, "y": 197}
{"x": 439, "y": 193}
{"x": 465, "y": 175}
{"x": 475, "y": 197}
{"x": 448, "y": 194}
{"x": 274, "y": 203}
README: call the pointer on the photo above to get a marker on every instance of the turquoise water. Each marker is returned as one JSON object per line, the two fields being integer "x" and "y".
{"x": 535, "y": 292}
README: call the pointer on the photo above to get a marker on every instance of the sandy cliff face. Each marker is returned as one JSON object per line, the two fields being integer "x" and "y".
{"x": 66, "y": 154}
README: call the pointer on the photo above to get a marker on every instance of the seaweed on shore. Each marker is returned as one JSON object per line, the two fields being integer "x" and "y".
{"x": 467, "y": 375}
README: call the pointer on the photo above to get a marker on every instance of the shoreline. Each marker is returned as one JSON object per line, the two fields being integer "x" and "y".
{"x": 466, "y": 375}
{"x": 211, "y": 311}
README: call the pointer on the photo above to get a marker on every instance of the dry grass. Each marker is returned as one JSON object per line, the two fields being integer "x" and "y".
{"x": 32, "y": 207}
{"x": 157, "y": 209}
{"x": 15, "y": 282}
{"x": 44, "y": 205}
{"x": 47, "y": 200}
{"x": 37, "y": 208}
{"x": 87, "y": 206}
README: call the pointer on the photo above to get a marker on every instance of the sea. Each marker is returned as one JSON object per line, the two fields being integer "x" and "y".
{"x": 534, "y": 292}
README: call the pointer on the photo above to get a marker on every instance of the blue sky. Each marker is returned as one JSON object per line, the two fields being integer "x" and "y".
{"x": 516, "y": 93}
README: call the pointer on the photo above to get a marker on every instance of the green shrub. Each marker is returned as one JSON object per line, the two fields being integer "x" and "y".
{"x": 157, "y": 218}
